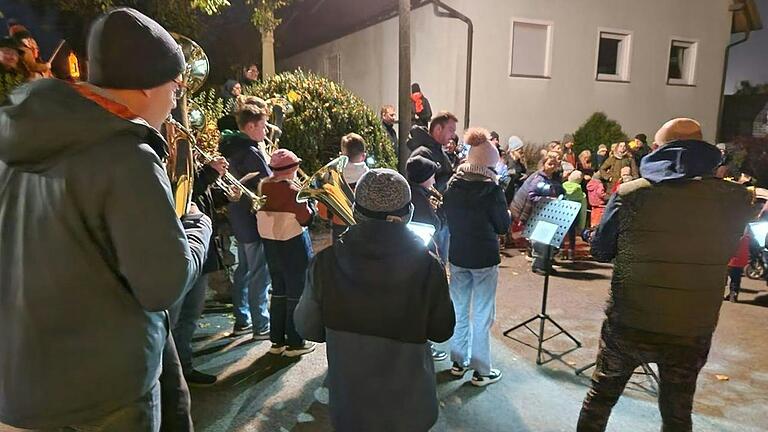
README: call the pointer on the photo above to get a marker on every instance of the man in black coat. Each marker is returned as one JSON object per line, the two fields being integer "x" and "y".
{"x": 388, "y": 118}
{"x": 430, "y": 146}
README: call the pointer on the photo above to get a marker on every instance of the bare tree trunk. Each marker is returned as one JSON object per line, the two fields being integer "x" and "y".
{"x": 404, "y": 86}
{"x": 267, "y": 53}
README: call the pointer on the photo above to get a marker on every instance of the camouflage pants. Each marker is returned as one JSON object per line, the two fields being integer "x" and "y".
{"x": 618, "y": 357}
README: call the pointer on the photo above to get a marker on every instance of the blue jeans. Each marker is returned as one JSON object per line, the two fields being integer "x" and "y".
{"x": 250, "y": 287}
{"x": 184, "y": 315}
{"x": 443, "y": 241}
{"x": 288, "y": 261}
{"x": 473, "y": 292}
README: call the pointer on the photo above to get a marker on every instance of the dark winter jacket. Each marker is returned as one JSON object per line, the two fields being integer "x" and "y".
{"x": 671, "y": 234}
{"x": 422, "y": 209}
{"x": 202, "y": 196}
{"x": 244, "y": 157}
{"x": 477, "y": 214}
{"x": 516, "y": 171}
{"x": 91, "y": 254}
{"x": 392, "y": 134}
{"x": 376, "y": 323}
{"x": 537, "y": 186}
{"x": 422, "y": 144}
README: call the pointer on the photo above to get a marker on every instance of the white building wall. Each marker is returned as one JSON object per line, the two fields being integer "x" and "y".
{"x": 543, "y": 109}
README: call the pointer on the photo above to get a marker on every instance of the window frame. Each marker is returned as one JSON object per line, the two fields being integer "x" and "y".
{"x": 547, "y": 55}
{"x": 624, "y": 57}
{"x": 333, "y": 60}
{"x": 689, "y": 74}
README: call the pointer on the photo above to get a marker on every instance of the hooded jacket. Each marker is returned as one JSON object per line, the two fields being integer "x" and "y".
{"x": 422, "y": 144}
{"x": 476, "y": 210}
{"x": 670, "y": 234}
{"x": 377, "y": 322}
{"x": 91, "y": 254}
{"x": 244, "y": 157}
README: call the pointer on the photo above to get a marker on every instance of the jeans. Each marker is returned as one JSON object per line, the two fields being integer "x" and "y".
{"x": 473, "y": 292}
{"x": 288, "y": 261}
{"x": 184, "y": 315}
{"x": 250, "y": 287}
{"x": 443, "y": 241}
{"x": 175, "y": 402}
{"x": 734, "y": 275}
{"x": 618, "y": 356}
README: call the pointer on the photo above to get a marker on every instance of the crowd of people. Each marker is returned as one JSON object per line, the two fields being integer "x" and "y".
{"x": 102, "y": 283}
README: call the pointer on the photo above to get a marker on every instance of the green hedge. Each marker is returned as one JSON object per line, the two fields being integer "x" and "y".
{"x": 8, "y": 82}
{"x": 598, "y": 129}
{"x": 324, "y": 112}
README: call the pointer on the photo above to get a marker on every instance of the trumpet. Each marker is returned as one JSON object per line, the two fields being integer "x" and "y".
{"x": 435, "y": 198}
{"x": 228, "y": 181}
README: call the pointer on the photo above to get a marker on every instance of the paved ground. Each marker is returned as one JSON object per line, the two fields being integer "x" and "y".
{"x": 259, "y": 392}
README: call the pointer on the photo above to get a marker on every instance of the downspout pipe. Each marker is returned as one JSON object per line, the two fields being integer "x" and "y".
{"x": 733, "y": 9}
{"x": 444, "y": 11}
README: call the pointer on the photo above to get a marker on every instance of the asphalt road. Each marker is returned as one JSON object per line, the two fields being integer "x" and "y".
{"x": 259, "y": 392}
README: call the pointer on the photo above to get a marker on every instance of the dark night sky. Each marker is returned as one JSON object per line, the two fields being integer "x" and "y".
{"x": 748, "y": 61}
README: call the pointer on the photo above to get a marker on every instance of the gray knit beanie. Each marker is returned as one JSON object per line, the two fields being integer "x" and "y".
{"x": 383, "y": 194}
{"x": 129, "y": 50}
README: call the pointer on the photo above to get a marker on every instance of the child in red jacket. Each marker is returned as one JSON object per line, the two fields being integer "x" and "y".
{"x": 282, "y": 225}
{"x": 736, "y": 268}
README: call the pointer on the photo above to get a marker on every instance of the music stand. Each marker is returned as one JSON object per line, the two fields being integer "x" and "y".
{"x": 549, "y": 223}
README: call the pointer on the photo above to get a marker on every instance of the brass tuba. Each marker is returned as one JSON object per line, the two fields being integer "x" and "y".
{"x": 327, "y": 185}
{"x": 180, "y": 164}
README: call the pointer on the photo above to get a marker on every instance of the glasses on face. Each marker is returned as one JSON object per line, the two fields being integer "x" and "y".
{"x": 180, "y": 90}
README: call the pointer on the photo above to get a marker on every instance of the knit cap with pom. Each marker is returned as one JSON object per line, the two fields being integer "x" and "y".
{"x": 481, "y": 152}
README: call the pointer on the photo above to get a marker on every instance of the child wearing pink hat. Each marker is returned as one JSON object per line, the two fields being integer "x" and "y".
{"x": 282, "y": 226}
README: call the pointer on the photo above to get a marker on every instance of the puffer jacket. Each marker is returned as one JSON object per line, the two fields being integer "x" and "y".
{"x": 477, "y": 215}
{"x": 671, "y": 234}
{"x": 535, "y": 187}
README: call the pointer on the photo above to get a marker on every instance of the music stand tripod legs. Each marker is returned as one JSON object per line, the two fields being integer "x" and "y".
{"x": 542, "y": 316}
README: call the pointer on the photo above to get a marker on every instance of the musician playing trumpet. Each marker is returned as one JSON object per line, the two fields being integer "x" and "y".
{"x": 244, "y": 152}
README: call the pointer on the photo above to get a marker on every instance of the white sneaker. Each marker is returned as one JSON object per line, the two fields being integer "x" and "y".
{"x": 276, "y": 349}
{"x": 307, "y": 348}
{"x": 483, "y": 380}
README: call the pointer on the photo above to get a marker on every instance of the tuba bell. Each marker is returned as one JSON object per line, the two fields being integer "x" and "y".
{"x": 327, "y": 185}
{"x": 180, "y": 165}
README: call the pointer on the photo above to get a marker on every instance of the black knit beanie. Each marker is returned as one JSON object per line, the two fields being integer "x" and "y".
{"x": 419, "y": 169}
{"x": 129, "y": 50}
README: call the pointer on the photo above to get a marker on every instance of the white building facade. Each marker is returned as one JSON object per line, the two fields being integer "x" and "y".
{"x": 542, "y": 67}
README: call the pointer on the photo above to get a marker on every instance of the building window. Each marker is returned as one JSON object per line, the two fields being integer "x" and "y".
{"x": 333, "y": 67}
{"x": 682, "y": 62}
{"x": 614, "y": 50}
{"x": 531, "y": 46}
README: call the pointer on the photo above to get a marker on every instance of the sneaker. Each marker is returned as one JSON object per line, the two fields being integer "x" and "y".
{"x": 483, "y": 380}
{"x": 307, "y": 348}
{"x": 195, "y": 378}
{"x": 438, "y": 355}
{"x": 277, "y": 349}
{"x": 261, "y": 334}
{"x": 241, "y": 330}
{"x": 458, "y": 370}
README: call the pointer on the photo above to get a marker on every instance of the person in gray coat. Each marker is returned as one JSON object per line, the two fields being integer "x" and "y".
{"x": 377, "y": 321}
{"x": 92, "y": 252}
